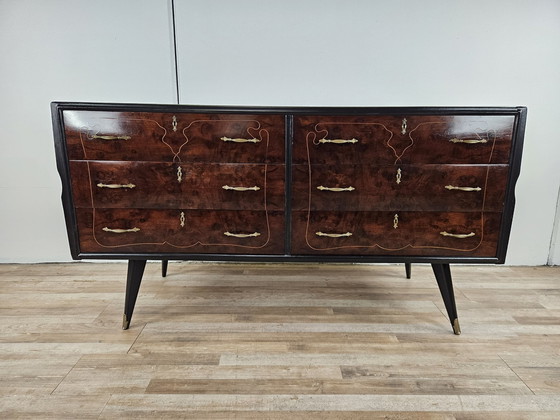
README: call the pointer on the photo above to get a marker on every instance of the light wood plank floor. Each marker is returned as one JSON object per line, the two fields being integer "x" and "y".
{"x": 233, "y": 341}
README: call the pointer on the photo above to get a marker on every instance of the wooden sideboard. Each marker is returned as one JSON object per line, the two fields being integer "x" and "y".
{"x": 172, "y": 182}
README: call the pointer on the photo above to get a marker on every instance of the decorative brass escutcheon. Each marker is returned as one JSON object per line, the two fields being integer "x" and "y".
{"x": 399, "y": 175}
{"x": 396, "y": 221}
{"x": 179, "y": 174}
{"x": 182, "y": 219}
{"x": 174, "y": 123}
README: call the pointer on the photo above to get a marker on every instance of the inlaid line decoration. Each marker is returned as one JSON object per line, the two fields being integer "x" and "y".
{"x": 264, "y": 136}
{"x": 311, "y": 138}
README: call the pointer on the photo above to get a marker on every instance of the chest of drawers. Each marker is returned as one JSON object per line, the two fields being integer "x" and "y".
{"x": 433, "y": 185}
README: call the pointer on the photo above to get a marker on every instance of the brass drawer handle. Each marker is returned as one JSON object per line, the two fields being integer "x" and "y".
{"x": 238, "y": 140}
{"x": 114, "y": 186}
{"x": 335, "y": 189}
{"x": 456, "y": 235}
{"x": 243, "y": 235}
{"x": 452, "y": 187}
{"x": 468, "y": 141}
{"x": 338, "y": 141}
{"x": 228, "y": 188}
{"x": 135, "y": 229}
{"x": 96, "y": 137}
{"x": 334, "y": 235}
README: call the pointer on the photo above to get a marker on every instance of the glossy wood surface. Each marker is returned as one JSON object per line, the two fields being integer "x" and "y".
{"x": 151, "y": 230}
{"x": 417, "y": 233}
{"x": 399, "y": 187}
{"x": 386, "y": 140}
{"x": 157, "y": 185}
{"x": 151, "y": 136}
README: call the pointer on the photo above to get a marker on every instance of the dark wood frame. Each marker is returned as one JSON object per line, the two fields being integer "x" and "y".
{"x": 440, "y": 264}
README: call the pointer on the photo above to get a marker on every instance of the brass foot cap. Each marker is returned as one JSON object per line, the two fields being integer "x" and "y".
{"x": 456, "y": 327}
{"x": 125, "y": 323}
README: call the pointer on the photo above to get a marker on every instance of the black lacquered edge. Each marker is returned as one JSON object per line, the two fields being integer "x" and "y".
{"x": 63, "y": 168}
{"x": 514, "y": 172}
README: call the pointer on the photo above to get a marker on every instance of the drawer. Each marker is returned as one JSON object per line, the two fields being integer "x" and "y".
{"x": 347, "y": 187}
{"x": 177, "y": 185}
{"x": 177, "y": 231}
{"x": 396, "y": 233}
{"x": 181, "y": 137}
{"x": 407, "y": 139}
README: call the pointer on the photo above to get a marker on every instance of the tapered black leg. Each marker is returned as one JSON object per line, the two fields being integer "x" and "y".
{"x": 443, "y": 277}
{"x": 133, "y": 280}
{"x": 164, "y": 267}
{"x": 408, "y": 269}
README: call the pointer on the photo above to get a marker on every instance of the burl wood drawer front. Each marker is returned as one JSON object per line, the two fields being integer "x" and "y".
{"x": 395, "y": 233}
{"x": 399, "y": 187}
{"x": 401, "y": 140}
{"x": 107, "y": 184}
{"x": 181, "y": 137}
{"x": 177, "y": 231}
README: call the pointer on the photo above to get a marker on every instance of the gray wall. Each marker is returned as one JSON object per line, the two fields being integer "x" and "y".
{"x": 265, "y": 52}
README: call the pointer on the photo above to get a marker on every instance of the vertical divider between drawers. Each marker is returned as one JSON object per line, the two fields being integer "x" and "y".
{"x": 288, "y": 139}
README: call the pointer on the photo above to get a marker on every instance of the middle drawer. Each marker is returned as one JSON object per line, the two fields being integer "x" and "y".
{"x": 177, "y": 185}
{"x": 405, "y": 187}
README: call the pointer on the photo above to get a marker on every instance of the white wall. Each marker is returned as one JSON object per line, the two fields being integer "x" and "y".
{"x": 269, "y": 52}
{"x": 77, "y": 50}
{"x": 394, "y": 52}
{"x": 554, "y": 258}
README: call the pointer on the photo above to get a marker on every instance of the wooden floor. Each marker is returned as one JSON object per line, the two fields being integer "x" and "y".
{"x": 232, "y": 341}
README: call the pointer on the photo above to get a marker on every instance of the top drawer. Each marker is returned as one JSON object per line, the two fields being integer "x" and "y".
{"x": 167, "y": 137}
{"x": 407, "y": 139}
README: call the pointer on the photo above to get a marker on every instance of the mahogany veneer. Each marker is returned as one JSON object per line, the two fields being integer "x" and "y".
{"x": 407, "y": 185}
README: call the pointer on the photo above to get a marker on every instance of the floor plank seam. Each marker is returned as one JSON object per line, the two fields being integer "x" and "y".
{"x": 518, "y": 377}
{"x": 136, "y": 339}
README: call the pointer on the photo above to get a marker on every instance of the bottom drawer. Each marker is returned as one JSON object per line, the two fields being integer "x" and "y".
{"x": 176, "y": 231}
{"x": 390, "y": 233}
